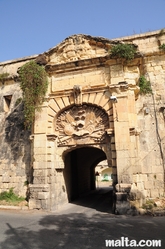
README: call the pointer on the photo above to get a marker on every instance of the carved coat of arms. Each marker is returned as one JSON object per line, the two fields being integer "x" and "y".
{"x": 81, "y": 125}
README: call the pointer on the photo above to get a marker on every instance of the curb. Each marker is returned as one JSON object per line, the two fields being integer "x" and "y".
{"x": 2, "y": 207}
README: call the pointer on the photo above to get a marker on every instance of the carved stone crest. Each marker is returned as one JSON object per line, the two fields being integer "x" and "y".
{"x": 81, "y": 125}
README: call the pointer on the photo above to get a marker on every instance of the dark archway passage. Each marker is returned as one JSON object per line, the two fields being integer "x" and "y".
{"x": 79, "y": 175}
{"x": 79, "y": 172}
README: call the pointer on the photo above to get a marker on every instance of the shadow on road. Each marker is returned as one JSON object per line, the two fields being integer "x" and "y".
{"x": 84, "y": 224}
{"x": 77, "y": 230}
{"x": 100, "y": 199}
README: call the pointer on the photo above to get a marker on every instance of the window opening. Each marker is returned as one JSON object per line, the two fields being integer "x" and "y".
{"x": 7, "y": 102}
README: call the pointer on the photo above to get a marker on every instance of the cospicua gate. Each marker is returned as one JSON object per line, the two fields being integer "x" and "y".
{"x": 84, "y": 142}
{"x": 82, "y": 137}
{"x": 92, "y": 107}
{"x": 88, "y": 115}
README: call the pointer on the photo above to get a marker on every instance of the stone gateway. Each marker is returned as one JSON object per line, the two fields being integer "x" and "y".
{"x": 94, "y": 110}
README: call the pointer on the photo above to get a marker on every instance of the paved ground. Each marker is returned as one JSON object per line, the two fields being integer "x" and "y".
{"x": 85, "y": 224}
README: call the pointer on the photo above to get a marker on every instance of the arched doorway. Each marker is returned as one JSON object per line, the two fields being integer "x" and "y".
{"x": 79, "y": 171}
{"x": 84, "y": 138}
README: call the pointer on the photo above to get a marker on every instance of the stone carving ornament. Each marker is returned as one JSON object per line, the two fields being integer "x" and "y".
{"x": 77, "y": 92}
{"x": 81, "y": 124}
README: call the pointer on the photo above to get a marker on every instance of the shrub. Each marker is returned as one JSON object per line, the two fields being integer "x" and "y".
{"x": 10, "y": 196}
{"x": 162, "y": 32}
{"x": 18, "y": 101}
{"x": 34, "y": 85}
{"x": 125, "y": 51}
{"x": 149, "y": 204}
{"x": 145, "y": 85}
{"x": 3, "y": 76}
{"x": 162, "y": 47}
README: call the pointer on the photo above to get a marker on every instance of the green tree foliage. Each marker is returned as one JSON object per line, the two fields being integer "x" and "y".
{"x": 34, "y": 85}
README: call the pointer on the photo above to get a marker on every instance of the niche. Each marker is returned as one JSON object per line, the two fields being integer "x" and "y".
{"x": 7, "y": 102}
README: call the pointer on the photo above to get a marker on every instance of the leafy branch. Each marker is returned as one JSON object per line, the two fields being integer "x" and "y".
{"x": 34, "y": 85}
{"x": 145, "y": 85}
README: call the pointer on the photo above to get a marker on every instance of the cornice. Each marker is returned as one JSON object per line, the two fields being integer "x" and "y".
{"x": 76, "y": 65}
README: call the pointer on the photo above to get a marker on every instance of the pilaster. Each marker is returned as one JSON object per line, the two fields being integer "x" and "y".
{"x": 125, "y": 126}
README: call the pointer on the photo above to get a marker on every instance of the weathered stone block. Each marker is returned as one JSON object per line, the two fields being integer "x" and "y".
{"x": 39, "y": 172}
{"x": 122, "y": 207}
{"x": 136, "y": 178}
{"x": 140, "y": 186}
{"x": 39, "y": 165}
{"x": 40, "y": 158}
{"x": 40, "y": 150}
{"x": 147, "y": 162}
{"x": 154, "y": 193}
{"x": 39, "y": 139}
{"x": 34, "y": 204}
{"x": 45, "y": 204}
{"x": 113, "y": 147}
{"x": 145, "y": 193}
{"x": 158, "y": 169}
{"x": 50, "y": 158}
{"x": 113, "y": 154}
{"x": 43, "y": 195}
{"x": 50, "y": 165}
{"x": 159, "y": 184}
{"x": 120, "y": 197}
{"x": 143, "y": 177}
{"x": 5, "y": 179}
{"x": 148, "y": 184}
{"x": 161, "y": 192}
{"x": 40, "y": 180}
{"x": 123, "y": 187}
{"x": 116, "y": 80}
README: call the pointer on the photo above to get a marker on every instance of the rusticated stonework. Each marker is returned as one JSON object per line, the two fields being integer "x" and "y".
{"x": 81, "y": 125}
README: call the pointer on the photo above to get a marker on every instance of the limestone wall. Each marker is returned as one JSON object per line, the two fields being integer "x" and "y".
{"x": 15, "y": 145}
{"x": 15, "y": 158}
{"x": 146, "y": 42}
{"x": 146, "y": 150}
{"x": 150, "y": 114}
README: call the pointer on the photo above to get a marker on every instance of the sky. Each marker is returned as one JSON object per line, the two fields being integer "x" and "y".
{"x": 30, "y": 27}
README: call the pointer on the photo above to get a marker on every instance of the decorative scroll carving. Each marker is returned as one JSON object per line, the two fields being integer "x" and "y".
{"x": 81, "y": 125}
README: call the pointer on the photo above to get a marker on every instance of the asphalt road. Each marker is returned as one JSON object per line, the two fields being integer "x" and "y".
{"x": 87, "y": 223}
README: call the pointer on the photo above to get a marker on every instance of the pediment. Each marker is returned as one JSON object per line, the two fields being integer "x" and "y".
{"x": 79, "y": 47}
